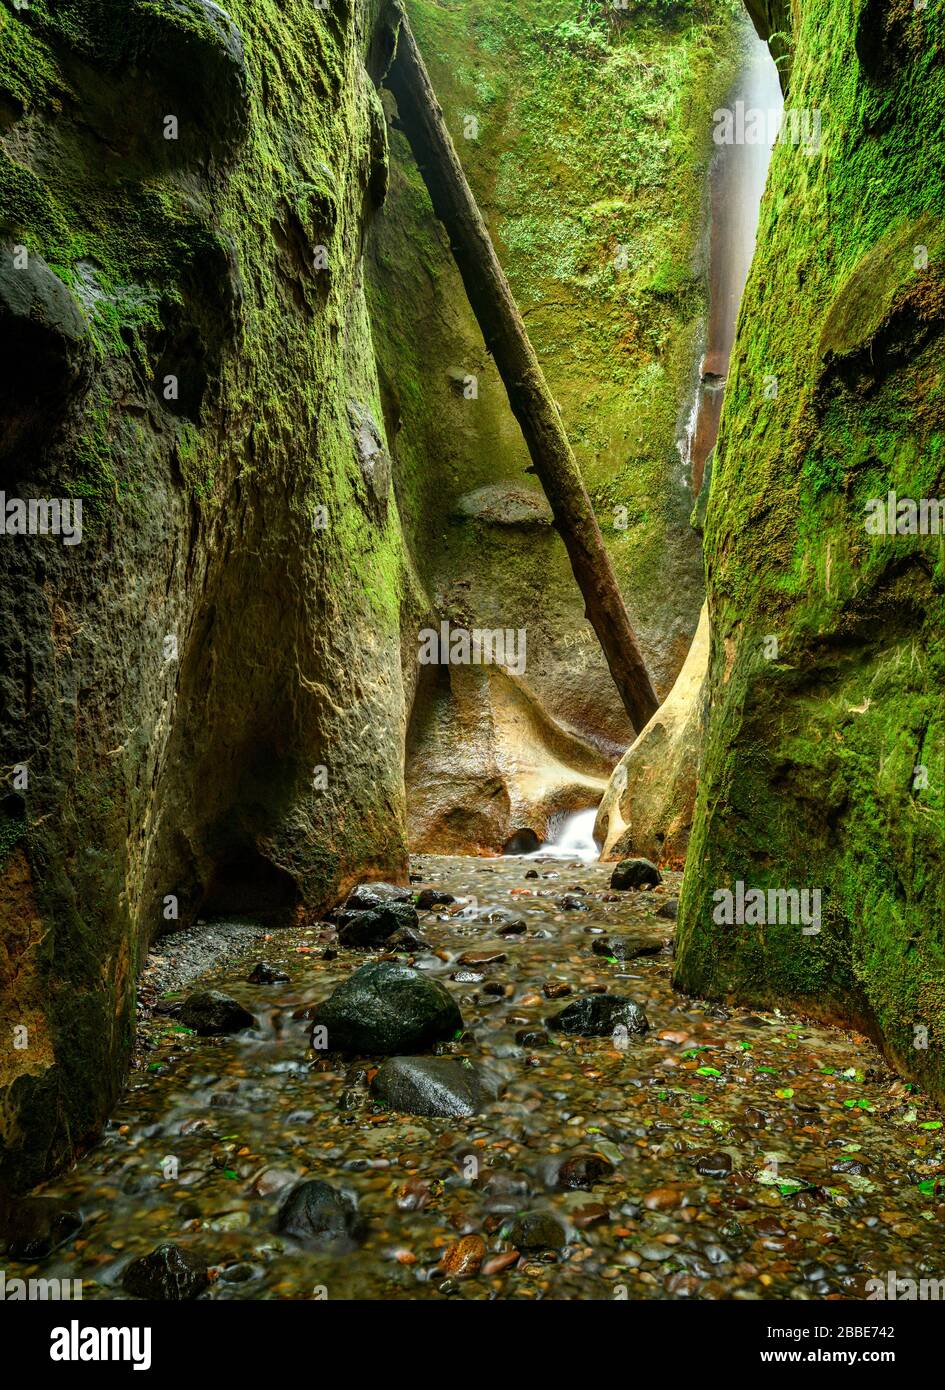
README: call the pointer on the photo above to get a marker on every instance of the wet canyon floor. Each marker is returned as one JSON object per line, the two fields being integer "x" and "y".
{"x": 726, "y": 1154}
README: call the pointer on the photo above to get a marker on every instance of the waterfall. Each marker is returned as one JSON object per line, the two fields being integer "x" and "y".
{"x": 573, "y": 838}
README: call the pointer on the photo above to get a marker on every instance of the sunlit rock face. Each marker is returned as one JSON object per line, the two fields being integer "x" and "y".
{"x": 201, "y": 697}
{"x": 510, "y": 767}
{"x": 648, "y": 806}
{"x": 607, "y": 256}
{"x": 823, "y": 768}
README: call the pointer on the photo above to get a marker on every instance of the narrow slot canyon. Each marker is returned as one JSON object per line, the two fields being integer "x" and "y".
{"x": 472, "y": 687}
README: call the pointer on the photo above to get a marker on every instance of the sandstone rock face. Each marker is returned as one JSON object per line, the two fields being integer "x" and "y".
{"x": 649, "y": 803}
{"x": 485, "y": 761}
{"x": 201, "y": 702}
{"x": 823, "y": 763}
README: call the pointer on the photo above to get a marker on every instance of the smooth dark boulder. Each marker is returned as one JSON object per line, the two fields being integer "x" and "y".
{"x": 265, "y": 974}
{"x": 168, "y": 1274}
{"x": 669, "y": 909}
{"x": 385, "y": 1008}
{"x": 626, "y": 947}
{"x": 32, "y": 1227}
{"x": 582, "y": 1171}
{"x": 599, "y": 1015}
{"x": 714, "y": 1165}
{"x": 369, "y": 928}
{"x": 431, "y": 898}
{"x": 445, "y": 1086}
{"x": 211, "y": 1013}
{"x": 635, "y": 873}
{"x": 320, "y": 1215}
{"x": 371, "y": 895}
{"x": 537, "y": 1230}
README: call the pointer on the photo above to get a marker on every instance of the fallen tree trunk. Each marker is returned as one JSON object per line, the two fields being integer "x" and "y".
{"x": 506, "y": 339}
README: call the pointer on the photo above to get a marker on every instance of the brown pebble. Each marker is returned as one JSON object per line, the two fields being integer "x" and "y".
{"x": 481, "y": 958}
{"x": 662, "y": 1199}
{"x": 464, "y": 1258}
{"x": 555, "y": 989}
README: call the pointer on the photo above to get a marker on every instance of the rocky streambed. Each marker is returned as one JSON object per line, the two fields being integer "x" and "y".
{"x": 550, "y": 1120}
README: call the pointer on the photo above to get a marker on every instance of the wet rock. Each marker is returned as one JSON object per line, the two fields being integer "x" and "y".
{"x": 210, "y": 1013}
{"x": 371, "y": 895}
{"x": 582, "y": 1171}
{"x": 853, "y": 1166}
{"x": 32, "y": 1227}
{"x": 662, "y": 1199}
{"x": 168, "y": 1274}
{"x": 431, "y": 898}
{"x": 532, "y": 1037}
{"x": 635, "y": 873}
{"x": 572, "y": 902}
{"x": 532, "y": 873}
{"x": 503, "y": 918}
{"x": 321, "y": 1216}
{"x": 556, "y": 989}
{"x": 413, "y": 1194}
{"x": 714, "y": 1165}
{"x": 444, "y": 1086}
{"x": 386, "y": 1007}
{"x": 485, "y": 957}
{"x": 669, "y": 909}
{"x": 265, "y": 974}
{"x": 626, "y": 947}
{"x": 271, "y": 1180}
{"x": 403, "y": 939}
{"x": 537, "y": 1230}
{"x": 464, "y": 1257}
{"x": 370, "y": 928}
{"x": 599, "y": 1015}
{"x": 590, "y": 1214}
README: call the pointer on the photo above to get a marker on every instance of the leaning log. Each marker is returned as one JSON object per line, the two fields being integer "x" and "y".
{"x": 553, "y": 461}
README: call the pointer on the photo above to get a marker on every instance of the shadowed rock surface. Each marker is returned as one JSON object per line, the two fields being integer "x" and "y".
{"x": 386, "y": 1007}
{"x": 181, "y": 364}
{"x": 320, "y": 1215}
{"x": 168, "y": 1274}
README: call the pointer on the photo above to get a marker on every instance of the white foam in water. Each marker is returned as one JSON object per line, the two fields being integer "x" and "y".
{"x": 574, "y": 839}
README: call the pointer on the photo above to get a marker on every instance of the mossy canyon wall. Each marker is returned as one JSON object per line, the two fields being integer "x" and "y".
{"x": 253, "y": 372}
{"x": 202, "y": 701}
{"x": 823, "y": 767}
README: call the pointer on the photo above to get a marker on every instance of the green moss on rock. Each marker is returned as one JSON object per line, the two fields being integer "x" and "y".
{"x": 824, "y": 764}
